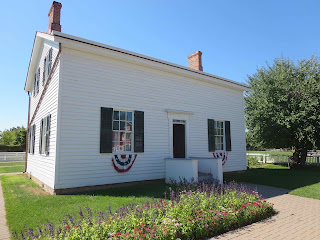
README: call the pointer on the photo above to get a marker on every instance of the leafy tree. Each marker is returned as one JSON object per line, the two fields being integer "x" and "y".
{"x": 7, "y": 137}
{"x": 20, "y": 136}
{"x": 282, "y": 107}
{"x": 14, "y": 136}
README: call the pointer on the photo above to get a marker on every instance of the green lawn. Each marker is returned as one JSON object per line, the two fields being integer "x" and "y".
{"x": 27, "y": 204}
{"x": 272, "y": 152}
{"x": 11, "y": 164}
{"x": 302, "y": 182}
{"x": 11, "y": 169}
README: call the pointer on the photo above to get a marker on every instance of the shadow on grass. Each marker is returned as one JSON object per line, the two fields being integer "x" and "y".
{"x": 277, "y": 176}
{"x": 155, "y": 190}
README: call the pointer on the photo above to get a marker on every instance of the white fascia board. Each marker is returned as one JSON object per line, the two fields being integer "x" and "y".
{"x": 35, "y": 55}
{"x": 174, "y": 111}
{"x": 99, "y": 48}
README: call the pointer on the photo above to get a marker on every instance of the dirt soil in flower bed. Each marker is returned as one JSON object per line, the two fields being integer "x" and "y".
{"x": 185, "y": 211}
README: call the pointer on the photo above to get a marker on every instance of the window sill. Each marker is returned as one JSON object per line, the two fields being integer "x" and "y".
{"x": 122, "y": 153}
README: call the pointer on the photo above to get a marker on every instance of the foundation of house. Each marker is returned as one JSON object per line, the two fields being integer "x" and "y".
{"x": 76, "y": 190}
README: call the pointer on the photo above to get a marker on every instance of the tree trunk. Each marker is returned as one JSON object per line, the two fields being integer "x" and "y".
{"x": 298, "y": 160}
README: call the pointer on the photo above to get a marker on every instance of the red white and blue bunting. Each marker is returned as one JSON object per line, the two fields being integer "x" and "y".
{"x": 124, "y": 162}
{"x": 222, "y": 155}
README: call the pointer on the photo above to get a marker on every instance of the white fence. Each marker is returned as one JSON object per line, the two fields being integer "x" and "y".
{"x": 312, "y": 158}
{"x": 12, "y": 156}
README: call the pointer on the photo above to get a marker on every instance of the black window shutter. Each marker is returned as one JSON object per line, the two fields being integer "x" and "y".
{"x": 138, "y": 131}
{"x": 35, "y": 85}
{"x": 50, "y": 61}
{"x": 40, "y": 138}
{"x": 48, "y": 119}
{"x": 44, "y": 70}
{"x": 38, "y": 79}
{"x": 228, "y": 136}
{"x": 106, "y": 130}
{"x": 34, "y": 137}
{"x": 29, "y": 139}
{"x": 211, "y": 137}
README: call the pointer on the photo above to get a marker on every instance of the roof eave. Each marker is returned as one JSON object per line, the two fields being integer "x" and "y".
{"x": 235, "y": 84}
{"x": 37, "y": 43}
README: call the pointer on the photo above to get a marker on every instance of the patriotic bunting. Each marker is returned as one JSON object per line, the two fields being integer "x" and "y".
{"x": 124, "y": 163}
{"x": 222, "y": 155}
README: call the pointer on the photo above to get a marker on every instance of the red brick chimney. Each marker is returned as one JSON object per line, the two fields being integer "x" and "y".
{"x": 54, "y": 17}
{"x": 195, "y": 61}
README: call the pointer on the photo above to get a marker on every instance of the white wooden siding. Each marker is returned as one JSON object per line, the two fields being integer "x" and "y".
{"x": 89, "y": 81}
{"x": 39, "y": 165}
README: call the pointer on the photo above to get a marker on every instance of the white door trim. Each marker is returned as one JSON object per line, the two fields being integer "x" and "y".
{"x": 179, "y": 116}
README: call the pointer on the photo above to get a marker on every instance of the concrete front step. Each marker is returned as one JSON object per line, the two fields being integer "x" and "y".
{"x": 204, "y": 176}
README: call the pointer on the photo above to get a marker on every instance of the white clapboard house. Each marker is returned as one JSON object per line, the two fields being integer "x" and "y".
{"x": 102, "y": 115}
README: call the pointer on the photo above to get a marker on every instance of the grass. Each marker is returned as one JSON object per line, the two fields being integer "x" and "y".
{"x": 11, "y": 169}
{"x": 27, "y": 203}
{"x": 272, "y": 152}
{"x": 11, "y": 164}
{"x": 301, "y": 182}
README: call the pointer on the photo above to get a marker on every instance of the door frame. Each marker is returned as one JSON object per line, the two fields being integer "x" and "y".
{"x": 184, "y": 128}
{"x": 179, "y": 115}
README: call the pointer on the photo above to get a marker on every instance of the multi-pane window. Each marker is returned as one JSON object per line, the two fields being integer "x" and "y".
{"x": 36, "y": 82}
{"x": 31, "y": 141}
{"x": 47, "y": 64}
{"x": 122, "y": 131}
{"x": 44, "y": 143}
{"x": 219, "y": 135}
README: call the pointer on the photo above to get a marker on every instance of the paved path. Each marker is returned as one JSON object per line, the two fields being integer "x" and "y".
{"x": 298, "y": 218}
{"x": 4, "y": 231}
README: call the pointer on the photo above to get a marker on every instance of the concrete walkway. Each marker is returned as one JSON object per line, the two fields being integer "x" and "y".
{"x": 4, "y": 231}
{"x": 298, "y": 218}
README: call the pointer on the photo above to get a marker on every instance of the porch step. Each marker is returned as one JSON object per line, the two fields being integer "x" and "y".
{"x": 204, "y": 176}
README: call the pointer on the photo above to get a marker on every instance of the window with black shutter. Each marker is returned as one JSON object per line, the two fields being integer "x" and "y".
{"x": 37, "y": 79}
{"x": 31, "y": 140}
{"x": 34, "y": 90}
{"x": 44, "y": 140}
{"x": 44, "y": 74}
{"x": 49, "y": 62}
{"x": 211, "y": 135}
{"x": 47, "y": 148}
{"x": 138, "y": 131}
{"x": 121, "y": 131}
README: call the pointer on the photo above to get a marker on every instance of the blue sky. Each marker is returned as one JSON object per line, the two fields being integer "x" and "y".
{"x": 235, "y": 36}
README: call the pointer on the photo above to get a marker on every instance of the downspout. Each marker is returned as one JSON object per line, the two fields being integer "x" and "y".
{"x": 27, "y": 137}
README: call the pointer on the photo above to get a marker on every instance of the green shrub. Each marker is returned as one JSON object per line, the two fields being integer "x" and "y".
{"x": 12, "y": 148}
{"x": 252, "y": 161}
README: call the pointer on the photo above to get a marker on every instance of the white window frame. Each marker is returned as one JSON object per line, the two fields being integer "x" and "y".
{"x": 132, "y": 131}
{"x": 219, "y": 135}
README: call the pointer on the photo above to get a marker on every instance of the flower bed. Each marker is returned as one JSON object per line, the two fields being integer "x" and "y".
{"x": 191, "y": 211}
